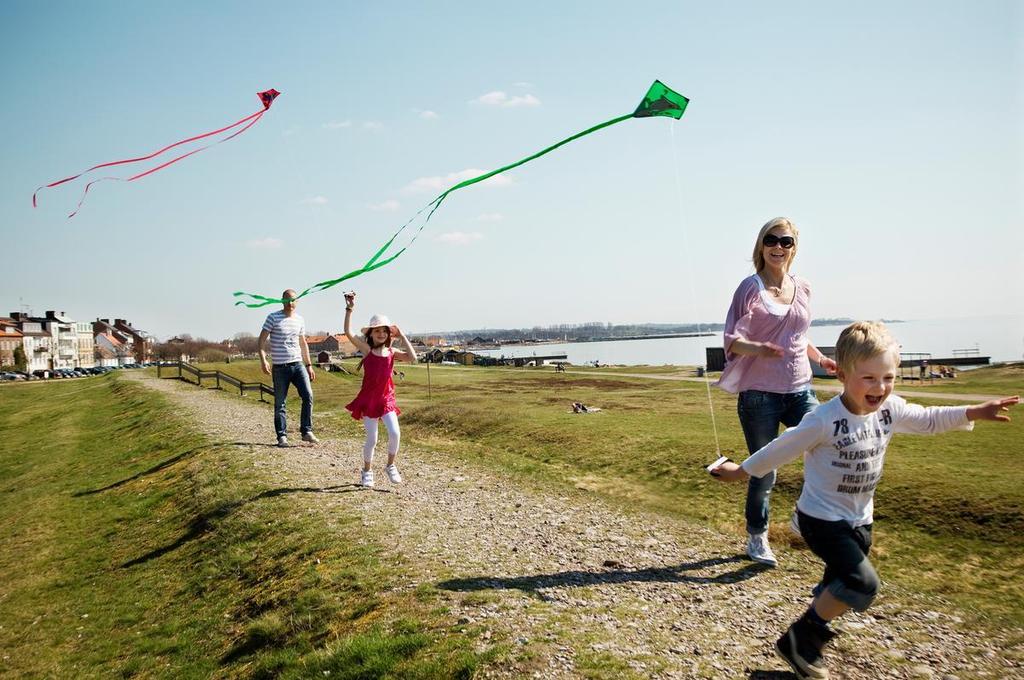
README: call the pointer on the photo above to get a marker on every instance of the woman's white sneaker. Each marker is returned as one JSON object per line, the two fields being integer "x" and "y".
{"x": 367, "y": 478}
{"x": 759, "y": 550}
{"x": 393, "y": 474}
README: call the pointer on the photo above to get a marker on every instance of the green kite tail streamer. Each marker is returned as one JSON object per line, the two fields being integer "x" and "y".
{"x": 660, "y": 100}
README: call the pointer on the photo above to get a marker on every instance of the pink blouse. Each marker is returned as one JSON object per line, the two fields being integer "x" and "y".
{"x": 752, "y": 317}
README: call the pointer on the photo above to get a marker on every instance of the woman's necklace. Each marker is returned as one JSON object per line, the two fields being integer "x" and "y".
{"x": 776, "y": 291}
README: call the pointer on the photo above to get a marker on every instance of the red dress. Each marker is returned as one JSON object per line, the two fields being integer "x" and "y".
{"x": 377, "y": 395}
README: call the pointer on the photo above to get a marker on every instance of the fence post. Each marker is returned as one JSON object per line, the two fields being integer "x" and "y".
{"x": 179, "y": 369}
{"x": 218, "y": 380}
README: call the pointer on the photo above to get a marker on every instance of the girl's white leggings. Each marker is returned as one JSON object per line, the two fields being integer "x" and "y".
{"x": 394, "y": 435}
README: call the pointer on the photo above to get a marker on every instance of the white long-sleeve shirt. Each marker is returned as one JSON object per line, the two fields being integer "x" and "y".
{"x": 843, "y": 453}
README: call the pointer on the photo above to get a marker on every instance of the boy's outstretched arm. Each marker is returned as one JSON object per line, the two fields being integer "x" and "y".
{"x": 787, "y": 447}
{"x": 992, "y": 410}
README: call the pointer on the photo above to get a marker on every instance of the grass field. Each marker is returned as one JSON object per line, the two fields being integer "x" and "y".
{"x": 134, "y": 547}
{"x": 949, "y": 511}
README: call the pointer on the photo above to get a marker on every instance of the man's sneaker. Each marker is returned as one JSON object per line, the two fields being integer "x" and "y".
{"x": 393, "y": 474}
{"x": 282, "y": 441}
{"x": 800, "y": 646}
{"x": 759, "y": 550}
{"x": 367, "y": 478}
{"x": 794, "y": 524}
{"x": 310, "y": 437}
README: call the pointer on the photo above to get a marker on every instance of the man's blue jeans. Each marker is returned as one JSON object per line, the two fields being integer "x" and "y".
{"x": 292, "y": 374}
{"x": 761, "y": 413}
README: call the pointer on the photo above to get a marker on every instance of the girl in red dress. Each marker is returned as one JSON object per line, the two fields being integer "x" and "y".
{"x": 376, "y": 398}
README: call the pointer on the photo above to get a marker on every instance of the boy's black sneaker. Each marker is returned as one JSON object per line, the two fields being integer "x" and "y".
{"x": 800, "y": 646}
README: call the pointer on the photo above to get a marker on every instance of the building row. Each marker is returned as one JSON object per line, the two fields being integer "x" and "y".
{"x": 56, "y": 341}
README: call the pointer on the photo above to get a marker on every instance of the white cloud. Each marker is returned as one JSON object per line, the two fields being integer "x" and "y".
{"x": 268, "y": 243}
{"x": 428, "y": 115}
{"x": 345, "y": 124}
{"x": 459, "y": 238}
{"x": 315, "y": 200}
{"x": 490, "y": 217}
{"x": 504, "y": 101}
{"x": 523, "y": 84}
{"x": 389, "y": 205}
{"x": 440, "y": 183}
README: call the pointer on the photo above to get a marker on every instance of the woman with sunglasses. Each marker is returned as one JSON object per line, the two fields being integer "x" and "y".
{"x": 767, "y": 361}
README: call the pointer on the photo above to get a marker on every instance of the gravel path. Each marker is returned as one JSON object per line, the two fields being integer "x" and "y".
{"x": 571, "y": 584}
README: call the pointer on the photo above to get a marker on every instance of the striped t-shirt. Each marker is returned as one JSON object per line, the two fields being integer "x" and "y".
{"x": 285, "y": 332}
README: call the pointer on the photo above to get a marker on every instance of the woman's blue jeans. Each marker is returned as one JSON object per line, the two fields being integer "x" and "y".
{"x": 292, "y": 374}
{"x": 761, "y": 413}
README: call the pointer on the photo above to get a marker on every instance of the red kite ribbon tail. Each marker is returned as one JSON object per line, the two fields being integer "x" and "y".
{"x": 147, "y": 157}
{"x": 258, "y": 115}
{"x": 266, "y": 98}
{"x": 195, "y": 151}
{"x": 84, "y": 193}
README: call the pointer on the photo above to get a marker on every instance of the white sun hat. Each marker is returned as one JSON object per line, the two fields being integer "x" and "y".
{"x": 379, "y": 320}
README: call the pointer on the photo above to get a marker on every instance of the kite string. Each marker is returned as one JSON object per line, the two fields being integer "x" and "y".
{"x": 689, "y": 276}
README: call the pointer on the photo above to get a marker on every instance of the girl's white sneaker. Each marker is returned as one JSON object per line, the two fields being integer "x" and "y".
{"x": 393, "y": 474}
{"x": 367, "y": 478}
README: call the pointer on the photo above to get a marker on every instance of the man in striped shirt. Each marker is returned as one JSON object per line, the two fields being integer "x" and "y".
{"x": 290, "y": 355}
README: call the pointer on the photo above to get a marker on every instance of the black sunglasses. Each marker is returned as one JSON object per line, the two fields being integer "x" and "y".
{"x": 786, "y": 242}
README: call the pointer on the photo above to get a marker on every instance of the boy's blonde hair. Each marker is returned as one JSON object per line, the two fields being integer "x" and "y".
{"x": 864, "y": 340}
{"x": 759, "y": 246}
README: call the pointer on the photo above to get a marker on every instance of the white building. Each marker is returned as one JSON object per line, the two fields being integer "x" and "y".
{"x": 64, "y": 340}
{"x": 86, "y": 345}
{"x": 36, "y": 340}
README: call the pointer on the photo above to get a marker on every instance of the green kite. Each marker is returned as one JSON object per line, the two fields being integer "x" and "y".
{"x": 660, "y": 100}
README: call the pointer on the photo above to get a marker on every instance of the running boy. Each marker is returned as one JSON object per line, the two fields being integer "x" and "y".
{"x": 843, "y": 443}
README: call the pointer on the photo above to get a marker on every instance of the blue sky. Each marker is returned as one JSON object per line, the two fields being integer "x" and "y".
{"x": 891, "y": 133}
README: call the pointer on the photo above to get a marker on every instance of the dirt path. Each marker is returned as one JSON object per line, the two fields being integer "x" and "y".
{"x": 571, "y": 584}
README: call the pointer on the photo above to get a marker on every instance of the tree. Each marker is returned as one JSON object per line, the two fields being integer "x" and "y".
{"x": 246, "y": 343}
{"x": 20, "y": 360}
{"x": 209, "y": 355}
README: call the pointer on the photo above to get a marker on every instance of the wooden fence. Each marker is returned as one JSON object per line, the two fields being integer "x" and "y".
{"x": 181, "y": 368}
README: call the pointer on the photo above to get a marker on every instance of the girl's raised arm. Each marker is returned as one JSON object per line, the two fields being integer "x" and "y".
{"x": 350, "y": 303}
{"x": 409, "y": 354}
